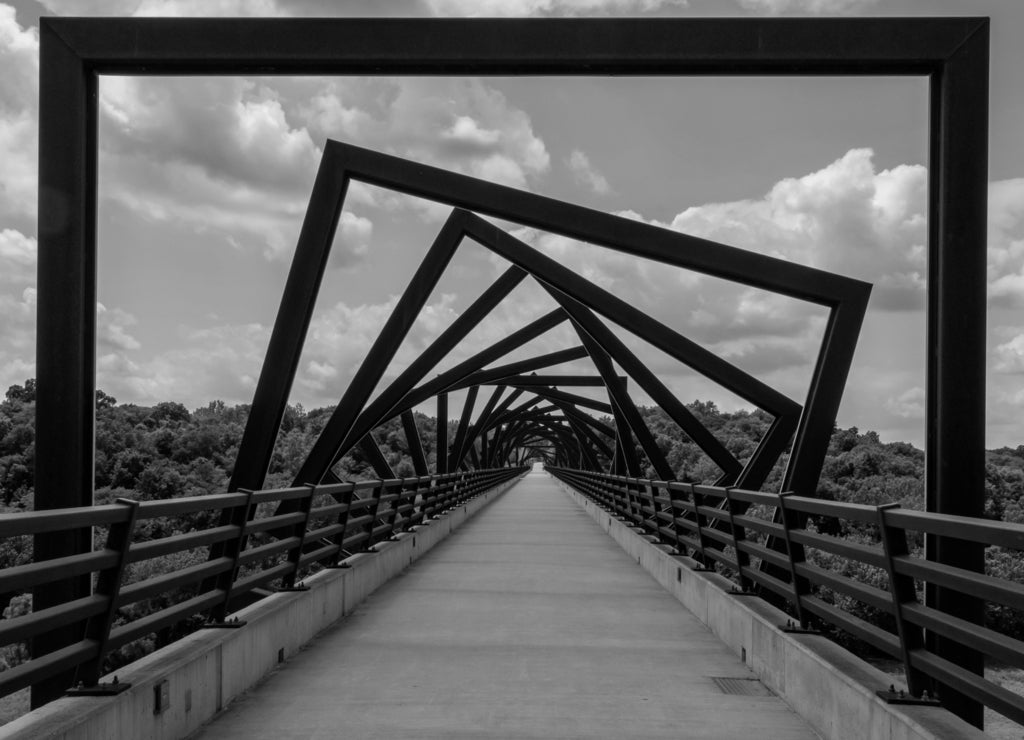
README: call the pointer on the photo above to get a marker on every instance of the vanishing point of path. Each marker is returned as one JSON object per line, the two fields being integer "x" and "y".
{"x": 527, "y": 622}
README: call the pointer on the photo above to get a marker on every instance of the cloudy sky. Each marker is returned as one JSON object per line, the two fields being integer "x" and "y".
{"x": 204, "y": 184}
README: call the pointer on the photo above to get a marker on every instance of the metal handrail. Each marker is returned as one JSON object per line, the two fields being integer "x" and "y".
{"x": 321, "y": 534}
{"x": 787, "y": 520}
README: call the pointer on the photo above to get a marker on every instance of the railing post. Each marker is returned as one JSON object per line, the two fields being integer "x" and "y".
{"x": 429, "y": 497}
{"x": 299, "y": 530}
{"x": 697, "y": 499}
{"x": 378, "y": 491}
{"x": 238, "y": 516}
{"x": 401, "y": 488}
{"x": 647, "y": 490}
{"x": 738, "y": 536}
{"x": 339, "y": 539}
{"x": 108, "y": 585}
{"x": 795, "y": 554}
{"x": 901, "y": 588}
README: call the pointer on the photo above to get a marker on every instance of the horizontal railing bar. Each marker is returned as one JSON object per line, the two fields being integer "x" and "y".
{"x": 1007, "y": 593}
{"x": 996, "y": 645}
{"x": 180, "y": 542}
{"x": 322, "y": 532}
{"x": 315, "y": 556}
{"x": 271, "y": 548}
{"x": 1004, "y": 701}
{"x": 122, "y": 635}
{"x": 274, "y": 522}
{"x": 260, "y": 578}
{"x": 59, "y": 520}
{"x": 869, "y": 633}
{"x": 862, "y": 592}
{"x": 37, "y": 669}
{"x": 188, "y": 505}
{"x": 835, "y": 546}
{"x": 985, "y": 531}
{"x": 22, "y": 577}
{"x": 36, "y": 623}
{"x": 157, "y": 585}
{"x": 331, "y": 510}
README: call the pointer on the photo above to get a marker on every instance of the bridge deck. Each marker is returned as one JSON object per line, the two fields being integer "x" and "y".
{"x": 528, "y": 622}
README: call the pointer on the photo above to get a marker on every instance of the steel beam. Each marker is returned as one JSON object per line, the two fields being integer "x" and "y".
{"x": 325, "y": 449}
{"x": 385, "y": 405}
{"x": 441, "y": 448}
{"x": 412, "y": 438}
{"x": 623, "y": 404}
{"x": 463, "y": 428}
{"x": 381, "y": 466}
{"x": 661, "y": 395}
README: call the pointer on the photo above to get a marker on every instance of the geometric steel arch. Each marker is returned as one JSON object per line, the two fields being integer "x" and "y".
{"x": 951, "y": 52}
{"x": 845, "y": 298}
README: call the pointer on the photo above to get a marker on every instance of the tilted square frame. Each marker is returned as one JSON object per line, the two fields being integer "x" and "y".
{"x": 952, "y": 52}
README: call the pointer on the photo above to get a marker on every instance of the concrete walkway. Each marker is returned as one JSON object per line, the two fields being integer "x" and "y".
{"x": 528, "y": 622}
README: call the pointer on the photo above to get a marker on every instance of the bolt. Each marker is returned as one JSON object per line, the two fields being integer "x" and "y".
{"x": 115, "y": 680}
{"x": 901, "y": 693}
{"x": 892, "y": 689}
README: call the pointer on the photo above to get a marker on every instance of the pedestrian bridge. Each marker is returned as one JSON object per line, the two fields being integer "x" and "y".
{"x": 530, "y": 621}
{"x": 523, "y": 610}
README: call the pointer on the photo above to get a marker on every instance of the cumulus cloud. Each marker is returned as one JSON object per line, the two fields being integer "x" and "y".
{"x": 586, "y": 174}
{"x": 17, "y": 306}
{"x": 845, "y": 218}
{"x": 907, "y": 405}
{"x": 517, "y": 8}
{"x": 458, "y": 123}
{"x": 112, "y": 330}
{"x": 248, "y": 176}
{"x": 1006, "y": 243}
{"x": 829, "y": 7}
{"x": 177, "y": 8}
{"x": 223, "y": 362}
{"x": 1009, "y": 356}
{"x": 19, "y": 52}
{"x": 212, "y": 154}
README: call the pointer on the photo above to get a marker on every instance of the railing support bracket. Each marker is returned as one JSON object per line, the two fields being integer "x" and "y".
{"x": 112, "y": 688}
{"x": 892, "y": 696}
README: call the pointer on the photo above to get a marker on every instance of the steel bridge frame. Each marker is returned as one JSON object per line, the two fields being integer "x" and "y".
{"x": 951, "y": 52}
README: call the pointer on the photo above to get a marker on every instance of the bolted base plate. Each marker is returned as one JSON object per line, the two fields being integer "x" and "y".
{"x": 796, "y": 629}
{"x": 100, "y": 689}
{"x": 902, "y": 697}
{"x": 288, "y": 589}
{"x": 231, "y": 624}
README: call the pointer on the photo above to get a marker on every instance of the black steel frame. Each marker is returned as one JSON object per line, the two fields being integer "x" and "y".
{"x": 952, "y": 52}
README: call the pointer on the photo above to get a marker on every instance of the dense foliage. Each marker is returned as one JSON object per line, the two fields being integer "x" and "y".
{"x": 167, "y": 451}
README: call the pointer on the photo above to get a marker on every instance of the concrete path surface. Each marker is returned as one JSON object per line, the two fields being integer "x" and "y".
{"x": 528, "y": 622}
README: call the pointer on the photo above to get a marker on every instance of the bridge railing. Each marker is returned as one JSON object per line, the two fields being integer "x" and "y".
{"x": 151, "y": 578}
{"x": 837, "y": 563}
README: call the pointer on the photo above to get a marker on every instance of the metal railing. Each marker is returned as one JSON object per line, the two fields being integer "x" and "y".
{"x": 239, "y": 543}
{"x": 771, "y": 542}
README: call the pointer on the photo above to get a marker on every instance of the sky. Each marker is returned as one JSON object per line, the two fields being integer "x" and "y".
{"x": 204, "y": 182}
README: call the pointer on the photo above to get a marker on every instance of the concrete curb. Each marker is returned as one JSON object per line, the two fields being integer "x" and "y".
{"x": 204, "y": 671}
{"x": 833, "y": 690}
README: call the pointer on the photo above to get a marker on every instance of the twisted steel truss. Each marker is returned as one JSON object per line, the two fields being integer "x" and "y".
{"x": 551, "y": 423}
